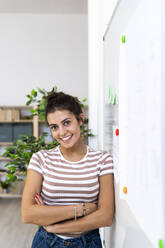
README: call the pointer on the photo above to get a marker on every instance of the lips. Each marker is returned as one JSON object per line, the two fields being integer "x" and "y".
{"x": 66, "y": 138}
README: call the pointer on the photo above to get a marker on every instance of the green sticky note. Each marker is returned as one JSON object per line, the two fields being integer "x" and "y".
{"x": 123, "y": 39}
{"x": 116, "y": 100}
{"x": 110, "y": 95}
{"x": 161, "y": 243}
{"x": 113, "y": 96}
{"x": 112, "y": 99}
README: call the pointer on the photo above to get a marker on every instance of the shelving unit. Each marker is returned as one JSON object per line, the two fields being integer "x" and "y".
{"x": 4, "y": 159}
{"x": 6, "y": 143}
{"x": 18, "y": 115}
{"x": 14, "y": 192}
{"x": 12, "y": 116}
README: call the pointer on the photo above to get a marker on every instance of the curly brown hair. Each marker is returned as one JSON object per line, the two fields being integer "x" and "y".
{"x": 61, "y": 101}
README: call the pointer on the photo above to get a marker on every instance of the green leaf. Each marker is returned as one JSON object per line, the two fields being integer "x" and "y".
{"x": 12, "y": 155}
{"x": 84, "y": 100}
{"x": 34, "y": 93}
{"x": 33, "y": 111}
{"x": 54, "y": 89}
{"x": 11, "y": 178}
{"x": 41, "y": 91}
{"x": 28, "y": 96}
{"x": 28, "y": 103}
{"x": 19, "y": 141}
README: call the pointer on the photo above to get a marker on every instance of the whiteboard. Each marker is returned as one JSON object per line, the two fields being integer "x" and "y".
{"x": 133, "y": 68}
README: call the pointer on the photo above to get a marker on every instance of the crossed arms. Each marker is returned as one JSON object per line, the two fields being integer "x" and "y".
{"x": 51, "y": 216}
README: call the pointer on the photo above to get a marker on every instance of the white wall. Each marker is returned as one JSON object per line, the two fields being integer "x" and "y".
{"x": 108, "y": 8}
{"x": 134, "y": 69}
{"x": 140, "y": 226}
{"x": 99, "y": 16}
{"x": 42, "y": 50}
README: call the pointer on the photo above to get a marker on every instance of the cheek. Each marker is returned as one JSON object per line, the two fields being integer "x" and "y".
{"x": 54, "y": 134}
{"x": 77, "y": 130}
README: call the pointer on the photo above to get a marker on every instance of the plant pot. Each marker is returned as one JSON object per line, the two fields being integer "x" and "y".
{"x": 4, "y": 191}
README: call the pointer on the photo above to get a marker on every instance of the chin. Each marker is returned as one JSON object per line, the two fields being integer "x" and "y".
{"x": 69, "y": 144}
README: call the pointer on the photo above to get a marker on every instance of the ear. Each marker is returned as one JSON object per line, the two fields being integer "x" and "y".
{"x": 82, "y": 118}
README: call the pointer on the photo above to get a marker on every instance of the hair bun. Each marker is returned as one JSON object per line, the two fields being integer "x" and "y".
{"x": 60, "y": 100}
{"x": 53, "y": 96}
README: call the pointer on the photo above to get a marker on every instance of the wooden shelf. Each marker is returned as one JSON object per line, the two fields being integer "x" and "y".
{"x": 15, "y": 191}
{"x": 6, "y": 143}
{"x": 18, "y": 121}
{"x": 17, "y": 115}
{"x": 2, "y": 172}
{"x": 4, "y": 158}
{"x": 4, "y": 195}
{"x": 15, "y": 107}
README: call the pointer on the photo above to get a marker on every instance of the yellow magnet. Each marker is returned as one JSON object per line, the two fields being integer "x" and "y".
{"x": 125, "y": 190}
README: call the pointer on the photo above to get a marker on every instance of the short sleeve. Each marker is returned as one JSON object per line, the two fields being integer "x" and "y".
{"x": 36, "y": 162}
{"x": 106, "y": 164}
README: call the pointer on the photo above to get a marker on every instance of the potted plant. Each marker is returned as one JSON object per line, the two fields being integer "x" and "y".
{"x": 21, "y": 151}
{"x": 40, "y": 102}
{"x": 4, "y": 184}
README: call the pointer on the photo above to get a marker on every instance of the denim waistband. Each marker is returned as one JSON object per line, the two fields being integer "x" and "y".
{"x": 88, "y": 235}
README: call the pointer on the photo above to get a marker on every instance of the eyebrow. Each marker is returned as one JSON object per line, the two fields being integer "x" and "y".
{"x": 54, "y": 124}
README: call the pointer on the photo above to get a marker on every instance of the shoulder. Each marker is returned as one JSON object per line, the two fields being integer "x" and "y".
{"x": 104, "y": 161}
{"x": 100, "y": 155}
{"x": 43, "y": 154}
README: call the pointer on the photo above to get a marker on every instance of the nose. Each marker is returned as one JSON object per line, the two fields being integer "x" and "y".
{"x": 62, "y": 131}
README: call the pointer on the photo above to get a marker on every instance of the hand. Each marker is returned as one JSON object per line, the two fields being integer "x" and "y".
{"x": 90, "y": 208}
{"x": 38, "y": 199}
{"x": 50, "y": 228}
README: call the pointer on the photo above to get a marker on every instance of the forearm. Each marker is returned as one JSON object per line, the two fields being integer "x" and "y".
{"x": 47, "y": 215}
{"x": 99, "y": 218}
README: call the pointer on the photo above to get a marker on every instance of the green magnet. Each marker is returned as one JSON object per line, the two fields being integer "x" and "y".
{"x": 161, "y": 243}
{"x": 123, "y": 39}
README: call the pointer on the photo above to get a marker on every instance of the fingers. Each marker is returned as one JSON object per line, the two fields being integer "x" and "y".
{"x": 91, "y": 207}
{"x": 45, "y": 227}
{"x": 49, "y": 228}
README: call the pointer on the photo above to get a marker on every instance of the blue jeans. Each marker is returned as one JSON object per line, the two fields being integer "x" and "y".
{"x": 44, "y": 239}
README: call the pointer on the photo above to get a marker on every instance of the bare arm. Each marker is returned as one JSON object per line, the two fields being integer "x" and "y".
{"x": 42, "y": 214}
{"x": 103, "y": 216}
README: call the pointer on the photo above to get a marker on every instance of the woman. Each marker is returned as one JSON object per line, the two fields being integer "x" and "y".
{"x": 69, "y": 189}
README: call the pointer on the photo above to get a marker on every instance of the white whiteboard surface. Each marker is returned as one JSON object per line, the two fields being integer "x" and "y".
{"x": 134, "y": 69}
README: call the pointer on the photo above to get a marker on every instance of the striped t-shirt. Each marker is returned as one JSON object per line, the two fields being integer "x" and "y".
{"x": 65, "y": 182}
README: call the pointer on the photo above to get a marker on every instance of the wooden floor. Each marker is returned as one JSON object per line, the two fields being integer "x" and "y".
{"x": 13, "y": 233}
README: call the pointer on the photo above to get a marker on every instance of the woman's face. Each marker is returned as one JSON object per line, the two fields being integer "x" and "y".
{"x": 65, "y": 128}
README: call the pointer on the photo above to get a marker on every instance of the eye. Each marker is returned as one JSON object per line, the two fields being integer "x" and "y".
{"x": 66, "y": 123}
{"x": 53, "y": 127}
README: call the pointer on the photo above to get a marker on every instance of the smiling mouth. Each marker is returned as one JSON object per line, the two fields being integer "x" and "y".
{"x": 66, "y": 138}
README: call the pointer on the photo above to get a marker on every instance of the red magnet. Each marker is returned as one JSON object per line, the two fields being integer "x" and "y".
{"x": 117, "y": 132}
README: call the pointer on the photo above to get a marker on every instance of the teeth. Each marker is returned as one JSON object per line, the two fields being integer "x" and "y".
{"x": 66, "y": 138}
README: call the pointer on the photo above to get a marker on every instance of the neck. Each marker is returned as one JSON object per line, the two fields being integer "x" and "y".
{"x": 78, "y": 148}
